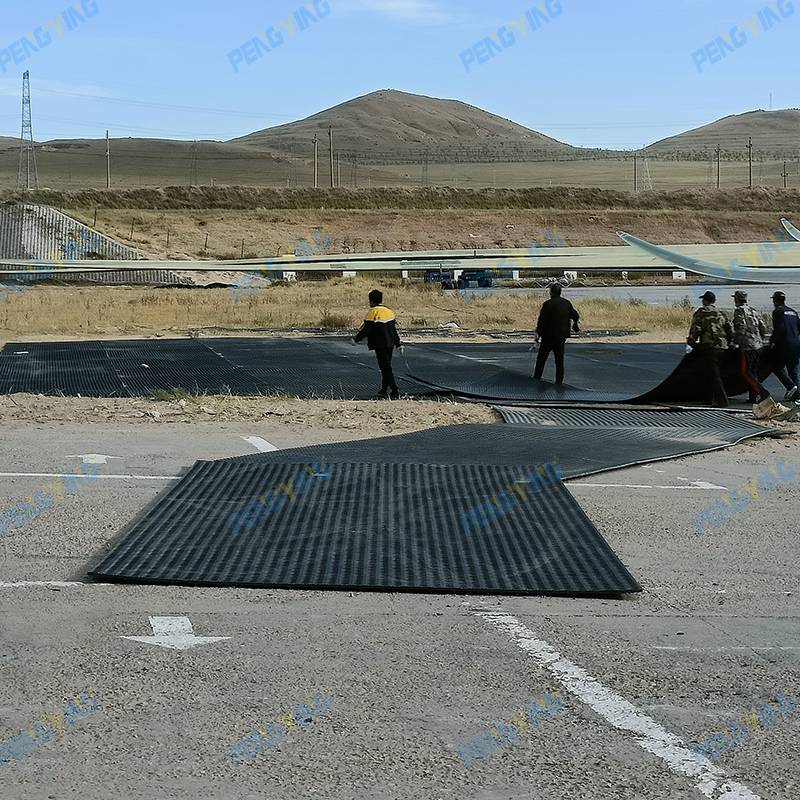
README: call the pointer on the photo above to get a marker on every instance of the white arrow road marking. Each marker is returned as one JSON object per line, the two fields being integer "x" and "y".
{"x": 174, "y": 633}
{"x": 95, "y": 458}
{"x": 702, "y": 484}
{"x": 711, "y": 781}
{"x": 262, "y": 445}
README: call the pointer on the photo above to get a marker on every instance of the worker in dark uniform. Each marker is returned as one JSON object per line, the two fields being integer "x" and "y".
{"x": 380, "y": 331}
{"x": 785, "y": 345}
{"x": 748, "y": 338}
{"x": 711, "y": 335}
{"x": 553, "y": 330}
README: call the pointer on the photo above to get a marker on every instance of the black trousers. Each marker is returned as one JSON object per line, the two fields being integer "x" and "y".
{"x": 748, "y": 369}
{"x": 388, "y": 384}
{"x": 556, "y": 347}
{"x": 712, "y": 360}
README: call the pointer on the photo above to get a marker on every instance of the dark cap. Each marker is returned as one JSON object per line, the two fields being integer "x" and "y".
{"x": 710, "y": 296}
{"x": 740, "y": 294}
{"x": 779, "y": 296}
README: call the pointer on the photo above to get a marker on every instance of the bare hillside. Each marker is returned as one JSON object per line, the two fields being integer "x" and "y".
{"x": 391, "y": 122}
{"x": 773, "y": 132}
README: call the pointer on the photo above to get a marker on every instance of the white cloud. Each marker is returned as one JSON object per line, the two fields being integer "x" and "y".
{"x": 429, "y": 12}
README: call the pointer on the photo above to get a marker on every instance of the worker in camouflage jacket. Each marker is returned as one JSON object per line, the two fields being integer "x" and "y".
{"x": 749, "y": 332}
{"x": 710, "y": 336}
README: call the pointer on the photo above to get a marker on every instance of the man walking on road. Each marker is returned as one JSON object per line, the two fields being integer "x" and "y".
{"x": 748, "y": 338}
{"x": 711, "y": 335}
{"x": 380, "y": 331}
{"x": 553, "y": 330}
{"x": 785, "y": 345}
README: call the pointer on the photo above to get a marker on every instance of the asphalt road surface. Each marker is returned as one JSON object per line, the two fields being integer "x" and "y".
{"x": 611, "y": 699}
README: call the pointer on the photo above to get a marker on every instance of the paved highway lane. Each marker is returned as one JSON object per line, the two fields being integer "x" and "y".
{"x": 425, "y": 696}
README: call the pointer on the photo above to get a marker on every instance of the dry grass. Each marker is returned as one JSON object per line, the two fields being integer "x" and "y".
{"x": 335, "y": 304}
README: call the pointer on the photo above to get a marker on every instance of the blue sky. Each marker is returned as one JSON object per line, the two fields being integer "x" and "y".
{"x": 599, "y": 74}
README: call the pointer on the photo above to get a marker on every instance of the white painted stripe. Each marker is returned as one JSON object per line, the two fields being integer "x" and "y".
{"x": 48, "y": 584}
{"x": 262, "y": 445}
{"x": 710, "y": 779}
{"x": 723, "y": 649}
{"x": 703, "y": 488}
{"x": 100, "y": 477}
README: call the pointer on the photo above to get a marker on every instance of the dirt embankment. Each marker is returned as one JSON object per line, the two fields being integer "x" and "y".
{"x": 244, "y": 198}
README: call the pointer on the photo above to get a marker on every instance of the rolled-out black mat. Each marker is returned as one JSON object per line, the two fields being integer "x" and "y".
{"x": 382, "y": 527}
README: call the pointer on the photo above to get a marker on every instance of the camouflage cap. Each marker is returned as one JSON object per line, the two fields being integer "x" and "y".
{"x": 740, "y": 294}
{"x": 710, "y": 296}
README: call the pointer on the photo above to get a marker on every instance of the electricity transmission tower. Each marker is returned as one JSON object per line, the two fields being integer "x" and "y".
{"x": 648, "y": 180}
{"x": 28, "y": 176}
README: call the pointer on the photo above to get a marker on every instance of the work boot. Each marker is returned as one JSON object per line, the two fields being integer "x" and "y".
{"x": 792, "y": 394}
{"x": 765, "y": 409}
{"x": 784, "y": 414}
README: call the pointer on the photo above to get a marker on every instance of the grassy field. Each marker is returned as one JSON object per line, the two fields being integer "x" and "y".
{"x": 336, "y": 305}
{"x": 152, "y": 167}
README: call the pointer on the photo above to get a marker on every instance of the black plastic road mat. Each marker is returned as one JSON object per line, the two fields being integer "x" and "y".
{"x": 579, "y": 450}
{"x": 332, "y": 367}
{"x": 595, "y": 373}
{"x": 295, "y": 367}
{"x": 370, "y": 526}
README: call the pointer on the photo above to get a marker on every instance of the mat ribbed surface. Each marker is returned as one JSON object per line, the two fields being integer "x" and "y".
{"x": 302, "y": 368}
{"x": 368, "y": 526}
{"x": 579, "y": 451}
{"x": 689, "y": 420}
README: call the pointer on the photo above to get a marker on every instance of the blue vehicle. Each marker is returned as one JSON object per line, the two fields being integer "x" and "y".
{"x": 475, "y": 279}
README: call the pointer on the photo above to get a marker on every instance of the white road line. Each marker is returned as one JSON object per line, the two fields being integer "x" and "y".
{"x": 262, "y": 445}
{"x": 722, "y": 649}
{"x": 711, "y": 781}
{"x": 703, "y": 487}
{"x": 99, "y": 477}
{"x": 48, "y": 584}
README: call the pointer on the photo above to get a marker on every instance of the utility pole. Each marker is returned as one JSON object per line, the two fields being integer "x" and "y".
{"x": 635, "y": 174}
{"x": 193, "y": 181}
{"x": 330, "y": 138}
{"x": 339, "y": 170}
{"x": 108, "y": 161}
{"x": 719, "y": 154}
{"x": 750, "y": 158}
{"x": 785, "y": 174}
{"x": 28, "y": 175}
{"x": 316, "y": 161}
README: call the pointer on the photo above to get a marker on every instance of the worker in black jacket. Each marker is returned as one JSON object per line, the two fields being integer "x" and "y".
{"x": 553, "y": 330}
{"x": 380, "y": 331}
{"x": 785, "y": 345}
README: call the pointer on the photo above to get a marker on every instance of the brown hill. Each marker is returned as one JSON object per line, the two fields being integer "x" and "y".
{"x": 391, "y": 123}
{"x": 776, "y": 133}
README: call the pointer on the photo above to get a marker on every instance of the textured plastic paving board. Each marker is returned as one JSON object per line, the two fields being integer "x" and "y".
{"x": 595, "y": 373}
{"x": 303, "y": 368}
{"x": 579, "y": 449}
{"x": 332, "y": 367}
{"x": 392, "y": 527}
